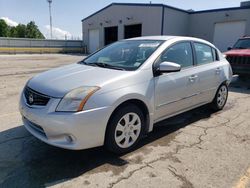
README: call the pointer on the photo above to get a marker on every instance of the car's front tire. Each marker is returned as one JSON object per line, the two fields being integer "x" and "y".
{"x": 220, "y": 98}
{"x": 125, "y": 129}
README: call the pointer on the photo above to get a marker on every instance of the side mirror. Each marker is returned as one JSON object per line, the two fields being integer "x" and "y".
{"x": 229, "y": 48}
{"x": 166, "y": 67}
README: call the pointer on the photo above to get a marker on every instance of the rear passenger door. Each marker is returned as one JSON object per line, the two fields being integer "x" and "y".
{"x": 208, "y": 70}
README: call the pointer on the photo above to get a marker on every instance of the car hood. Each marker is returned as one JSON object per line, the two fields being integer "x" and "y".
{"x": 238, "y": 52}
{"x": 59, "y": 81}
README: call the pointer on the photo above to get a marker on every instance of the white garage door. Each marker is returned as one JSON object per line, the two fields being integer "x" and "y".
{"x": 227, "y": 33}
{"x": 94, "y": 40}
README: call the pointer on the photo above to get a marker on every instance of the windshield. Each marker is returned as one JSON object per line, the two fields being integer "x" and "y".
{"x": 123, "y": 55}
{"x": 242, "y": 44}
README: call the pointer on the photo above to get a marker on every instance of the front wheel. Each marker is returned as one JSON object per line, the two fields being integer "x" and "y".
{"x": 125, "y": 129}
{"x": 220, "y": 98}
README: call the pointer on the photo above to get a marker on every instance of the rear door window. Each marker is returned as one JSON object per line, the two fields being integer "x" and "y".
{"x": 204, "y": 53}
{"x": 215, "y": 55}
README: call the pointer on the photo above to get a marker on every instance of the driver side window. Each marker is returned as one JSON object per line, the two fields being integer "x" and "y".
{"x": 180, "y": 53}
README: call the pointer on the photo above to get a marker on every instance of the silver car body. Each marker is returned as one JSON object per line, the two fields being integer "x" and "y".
{"x": 164, "y": 96}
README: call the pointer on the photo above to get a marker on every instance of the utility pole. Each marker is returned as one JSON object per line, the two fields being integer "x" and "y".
{"x": 50, "y": 18}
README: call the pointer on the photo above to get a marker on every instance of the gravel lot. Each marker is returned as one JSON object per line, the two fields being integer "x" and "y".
{"x": 196, "y": 149}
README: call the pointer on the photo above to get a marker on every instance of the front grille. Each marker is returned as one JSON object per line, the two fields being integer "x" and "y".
{"x": 34, "y": 98}
{"x": 239, "y": 60}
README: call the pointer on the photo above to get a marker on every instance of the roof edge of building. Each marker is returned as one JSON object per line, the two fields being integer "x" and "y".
{"x": 167, "y": 6}
{"x": 135, "y": 4}
{"x": 219, "y": 9}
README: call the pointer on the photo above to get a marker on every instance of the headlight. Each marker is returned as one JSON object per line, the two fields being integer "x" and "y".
{"x": 75, "y": 100}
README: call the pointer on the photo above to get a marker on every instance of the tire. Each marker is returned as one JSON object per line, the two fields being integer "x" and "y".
{"x": 220, "y": 98}
{"x": 125, "y": 129}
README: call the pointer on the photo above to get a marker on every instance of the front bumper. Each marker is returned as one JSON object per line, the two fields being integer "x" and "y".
{"x": 73, "y": 131}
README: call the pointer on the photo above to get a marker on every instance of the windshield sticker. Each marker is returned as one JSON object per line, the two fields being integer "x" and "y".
{"x": 149, "y": 45}
{"x": 137, "y": 64}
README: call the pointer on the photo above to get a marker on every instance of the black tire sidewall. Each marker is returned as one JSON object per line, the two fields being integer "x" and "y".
{"x": 110, "y": 142}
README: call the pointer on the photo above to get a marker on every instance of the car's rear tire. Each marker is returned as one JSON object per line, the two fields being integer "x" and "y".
{"x": 125, "y": 129}
{"x": 220, "y": 98}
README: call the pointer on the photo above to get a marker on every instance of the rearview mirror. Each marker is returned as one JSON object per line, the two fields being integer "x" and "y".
{"x": 165, "y": 67}
{"x": 229, "y": 48}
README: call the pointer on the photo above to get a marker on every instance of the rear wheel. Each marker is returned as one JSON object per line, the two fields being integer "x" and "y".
{"x": 220, "y": 98}
{"x": 125, "y": 129}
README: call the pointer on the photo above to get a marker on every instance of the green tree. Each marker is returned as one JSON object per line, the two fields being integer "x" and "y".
{"x": 12, "y": 32}
{"x": 3, "y": 28}
{"x": 20, "y": 31}
{"x": 32, "y": 31}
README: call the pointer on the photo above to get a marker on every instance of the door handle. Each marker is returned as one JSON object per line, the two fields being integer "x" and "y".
{"x": 218, "y": 70}
{"x": 193, "y": 78}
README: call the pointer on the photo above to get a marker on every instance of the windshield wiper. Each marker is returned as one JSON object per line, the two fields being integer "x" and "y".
{"x": 82, "y": 62}
{"x": 104, "y": 65}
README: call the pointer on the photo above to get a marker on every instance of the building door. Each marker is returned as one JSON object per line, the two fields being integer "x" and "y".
{"x": 110, "y": 34}
{"x": 227, "y": 33}
{"x": 94, "y": 40}
{"x": 132, "y": 31}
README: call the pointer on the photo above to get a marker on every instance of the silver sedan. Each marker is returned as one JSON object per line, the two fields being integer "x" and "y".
{"x": 116, "y": 95}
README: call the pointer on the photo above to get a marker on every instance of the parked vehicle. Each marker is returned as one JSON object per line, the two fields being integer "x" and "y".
{"x": 116, "y": 95}
{"x": 239, "y": 57}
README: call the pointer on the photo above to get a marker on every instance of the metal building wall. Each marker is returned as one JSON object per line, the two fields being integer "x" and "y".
{"x": 157, "y": 20}
{"x": 202, "y": 23}
{"x": 175, "y": 22}
{"x": 116, "y": 15}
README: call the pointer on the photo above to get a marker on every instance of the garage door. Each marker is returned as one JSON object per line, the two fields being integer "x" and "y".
{"x": 110, "y": 35}
{"x": 132, "y": 31}
{"x": 94, "y": 40}
{"x": 227, "y": 33}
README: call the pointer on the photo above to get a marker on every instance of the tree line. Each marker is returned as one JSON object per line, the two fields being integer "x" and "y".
{"x": 20, "y": 31}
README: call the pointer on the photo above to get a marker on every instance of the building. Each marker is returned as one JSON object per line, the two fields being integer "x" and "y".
{"x": 125, "y": 20}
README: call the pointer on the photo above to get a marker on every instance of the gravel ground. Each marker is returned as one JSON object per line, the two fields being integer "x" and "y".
{"x": 196, "y": 149}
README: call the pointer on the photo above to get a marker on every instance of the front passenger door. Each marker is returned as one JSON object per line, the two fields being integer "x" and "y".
{"x": 175, "y": 91}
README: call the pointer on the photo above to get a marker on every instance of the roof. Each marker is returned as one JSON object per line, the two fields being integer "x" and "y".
{"x": 136, "y": 4}
{"x": 167, "y": 6}
{"x": 221, "y": 9}
{"x": 169, "y": 37}
{"x": 245, "y": 37}
{"x": 160, "y": 37}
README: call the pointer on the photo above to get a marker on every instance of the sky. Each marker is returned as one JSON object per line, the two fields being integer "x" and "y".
{"x": 67, "y": 15}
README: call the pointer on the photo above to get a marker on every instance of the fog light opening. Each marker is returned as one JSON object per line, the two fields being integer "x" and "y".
{"x": 69, "y": 139}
